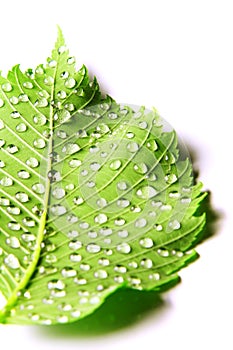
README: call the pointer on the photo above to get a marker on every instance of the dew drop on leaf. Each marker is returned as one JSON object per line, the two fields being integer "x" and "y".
{"x": 6, "y": 181}
{"x": 115, "y": 165}
{"x": 12, "y": 261}
{"x": 13, "y": 242}
{"x": 23, "y": 174}
{"x": 146, "y": 242}
{"x": 7, "y": 87}
{"x": 21, "y": 127}
{"x": 32, "y": 162}
{"x": 39, "y": 119}
{"x": 124, "y": 248}
{"x": 22, "y": 197}
{"x": 39, "y": 143}
{"x": 38, "y": 188}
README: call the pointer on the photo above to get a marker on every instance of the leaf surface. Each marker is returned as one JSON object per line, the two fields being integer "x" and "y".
{"x": 94, "y": 196}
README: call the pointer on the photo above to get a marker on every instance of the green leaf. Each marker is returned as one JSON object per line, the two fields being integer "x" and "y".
{"x": 94, "y": 196}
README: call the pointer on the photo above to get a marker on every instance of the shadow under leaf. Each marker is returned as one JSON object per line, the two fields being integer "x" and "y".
{"x": 122, "y": 309}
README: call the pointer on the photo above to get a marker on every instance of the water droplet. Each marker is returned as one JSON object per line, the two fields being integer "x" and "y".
{"x": 41, "y": 103}
{"x": 163, "y": 252}
{"x": 23, "y": 174}
{"x": 49, "y": 80}
{"x": 39, "y": 70}
{"x": 143, "y": 125}
{"x": 58, "y": 192}
{"x": 2, "y": 143}
{"x": 119, "y": 221}
{"x": 1, "y": 103}
{"x": 71, "y": 148}
{"x": 146, "y": 192}
{"x": 112, "y": 115}
{"x": 118, "y": 279}
{"x": 71, "y": 60}
{"x": 70, "y": 83}
{"x": 12, "y": 149}
{"x": 6, "y": 181}
{"x": 54, "y": 176}
{"x": 23, "y": 98}
{"x": 132, "y": 147}
{"x": 39, "y": 119}
{"x": 21, "y": 127}
{"x": 69, "y": 187}
{"x": 141, "y": 222}
{"x": 146, "y": 242}
{"x": 101, "y": 218}
{"x": 68, "y": 272}
{"x": 185, "y": 200}
{"x": 28, "y": 237}
{"x": 122, "y": 185}
{"x": 52, "y": 63}
{"x": 75, "y": 257}
{"x": 85, "y": 267}
{"x": 90, "y": 184}
{"x": 123, "y": 233}
{"x": 101, "y": 202}
{"x": 27, "y": 221}
{"x": 130, "y": 135}
{"x": 2, "y": 125}
{"x": 74, "y": 163}
{"x": 93, "y": 248}
{"x": 58, "y": 293}
{"x": 72, "y": 234}
{"x": 152, "y": 145}
{"x": 38, "y": 188}
{"x": 147, "y": 263}
{"x": 133, "y": 264}
{"x": 39, "y": 143}
{"x": 95, "y": 166}
{"x": 140, "y": 168}
{"x": 12, "y": 262}
{"x": 61, "y": 94}
{"x": 116, "y": 164}
{"x": 22, "y": 197}
{"x": 15, "y": 115}
{"x": 4, "y": 201}
{"x": 134, "y": 281}
{"x": 7, "y": 87}
{"x": 14, "y": 100}
{"x": 47, "y": 301}
{"x": 100, "y": 274}
{"x": 2, "y": 164}
{"x": 32, "y": 162}
{"x": 69, "y": 107}
{"x": 76, "y": 313}
{"x": 58, "y": 210}
{"x": 154, "y": 276}
{"x": 13, "y": 210}
{"x": 13, "y": 242}
{"x": 28, "y": 85}
{"x": 120, "y": 269}
{"x": 75, "y": 245}
{"x": 56, "y": 284}
{"x": 170, "y": 178}
{"x": 123, "y": 248}
{"x": 174, "y": 225}
{"x": 62, "y": 319}
{"x": 123, "y": 203}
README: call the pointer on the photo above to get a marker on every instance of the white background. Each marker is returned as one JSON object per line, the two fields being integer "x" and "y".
{"x": 178, "y": 57}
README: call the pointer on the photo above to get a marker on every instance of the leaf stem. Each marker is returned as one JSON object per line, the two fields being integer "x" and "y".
{"x": 31, "y": 269}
